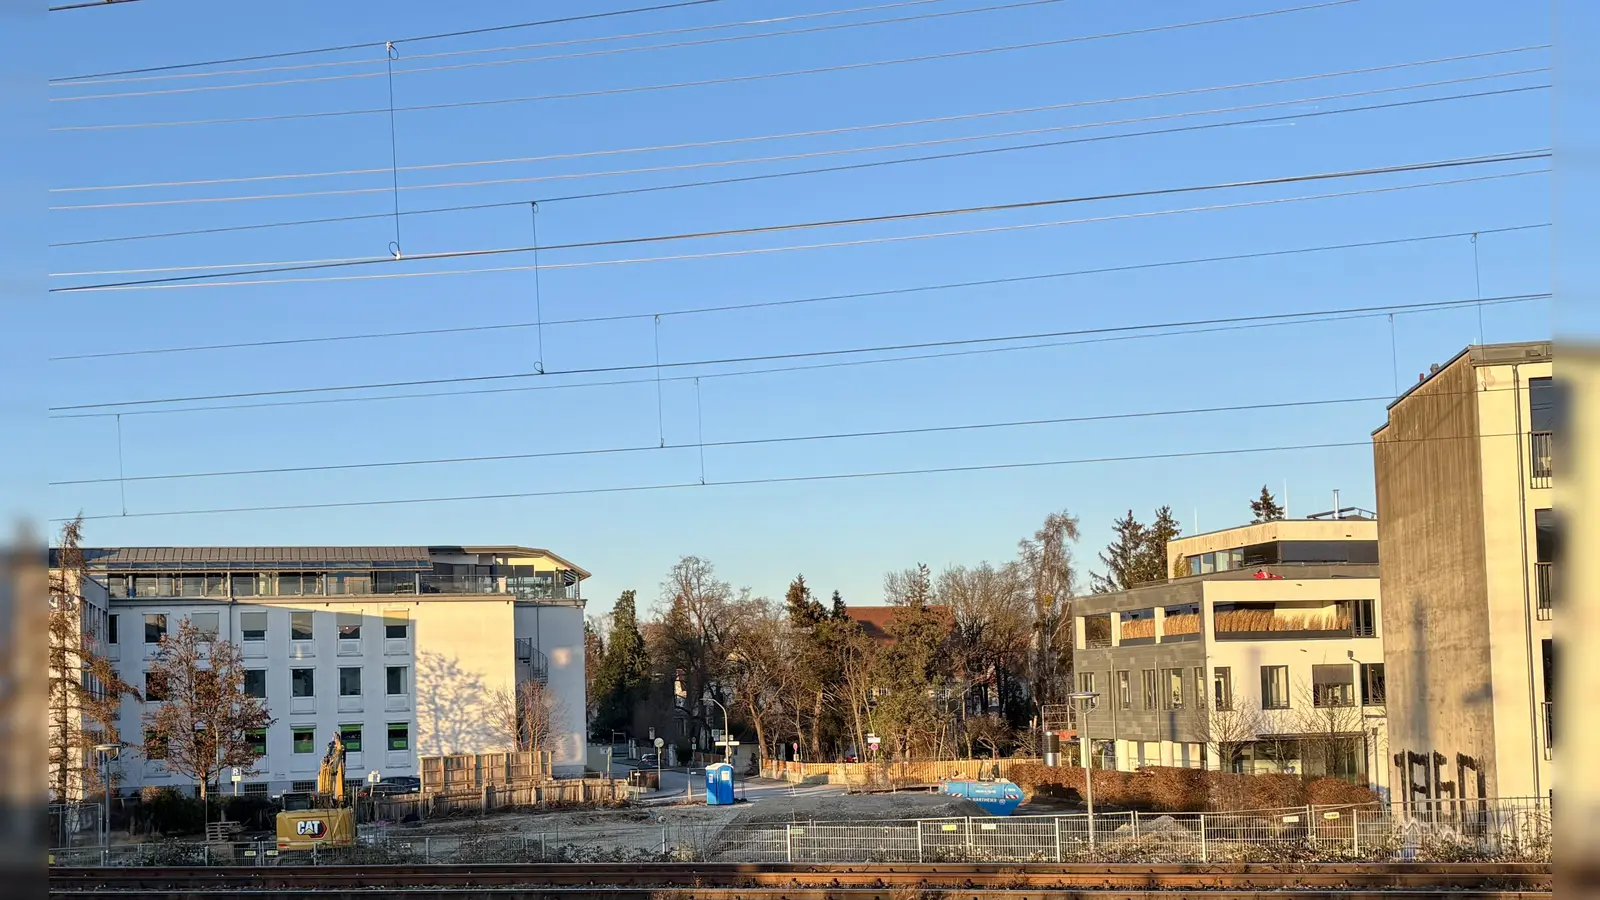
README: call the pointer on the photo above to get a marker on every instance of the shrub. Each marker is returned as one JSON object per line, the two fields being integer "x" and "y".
{"x": 1173, "y": 789}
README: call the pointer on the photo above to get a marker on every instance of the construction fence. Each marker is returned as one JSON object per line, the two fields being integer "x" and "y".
{"x": 1510, "y": 830}
{"x": 889, "y": 774}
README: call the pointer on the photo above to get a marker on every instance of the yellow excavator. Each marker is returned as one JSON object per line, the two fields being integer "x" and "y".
{"x": 324, "y": 818}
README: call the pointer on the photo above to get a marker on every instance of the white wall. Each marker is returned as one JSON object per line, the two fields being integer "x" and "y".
{"x": 556, "y": 628}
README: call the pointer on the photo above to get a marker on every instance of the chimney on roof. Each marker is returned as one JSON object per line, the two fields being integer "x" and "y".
{"x": 1433, "y": 369}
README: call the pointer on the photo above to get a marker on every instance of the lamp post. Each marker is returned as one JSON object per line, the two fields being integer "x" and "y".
{"x": 372, "y": 791}
{"x": 1085, "y": 699}
{"x": 727, "y": 734}
{"x": 107, "y": 753}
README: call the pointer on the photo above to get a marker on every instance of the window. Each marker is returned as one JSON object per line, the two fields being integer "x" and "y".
{"x": 253, "y": 625}
{"x": 155, "y": 627}
{"x": 305, "y": 739}
{"x": 302, "y": 682}
{"x": 111, "y": 630}
{"x": 1174, "y": 694}
{"x": 397, "y": 680}
{"x": 1544, "y": 531}
{"x": 349, "y": 681}
{"x": 349, "y": 626}
{"x": 396, "y": 627}
{"x": 1222, "y": 688}
{"x": 257, "y": 740}
{"x": 295, "y": 584}
{"x": 399, "y": 736}
{"x": 1149, "y": 685}
{"x": 1274, "y": 687}
{"x": 1096, "y": 632}
{"x": 300, "y": 626}
{"x": 1542, "y": 404}
{"x": 302, "y": 787}
{"x": 1199, "y": 687}
{"x": 1086, "y": 686}
{"x": 1372, "y": 686}
{"x": 1124, "y": 691}
{"x": 1363, "y": 620}
{"x": 255, "y": 683}
{"x": 251, "y": 585}
{"x": 351, "y": 736}
{"x": 256, "y": 787}
{"x": 155, "y": 687}
{"x": 155, "y": 744}
{"x": 1332, "y": 686}
{"x": 205, "y": 623}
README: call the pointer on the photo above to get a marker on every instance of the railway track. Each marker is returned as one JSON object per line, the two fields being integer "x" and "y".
{"x": 727, "y": 881}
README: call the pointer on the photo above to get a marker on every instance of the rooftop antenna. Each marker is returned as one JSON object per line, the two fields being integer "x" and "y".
{"x": 1197, "y": 520}
{"x": 1336, "y": 504}
{"x": 1286, "y": 499}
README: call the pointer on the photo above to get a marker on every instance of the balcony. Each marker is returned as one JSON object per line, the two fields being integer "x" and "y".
{"x": 520, "y": 587}
{"x": 1266, "y": 622}
{"x": 1541, "y": 468}
{"x": 1547, "y": 717}
{"x": 532, "y": 665}
{"x": 1546, "y": 607}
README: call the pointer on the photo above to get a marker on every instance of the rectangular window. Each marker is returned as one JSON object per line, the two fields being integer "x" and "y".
{"x": 1274, "y": 687}
{"x": 257, "y": 740}
{"x": 155, "y": 687}
{"x": 1124, "y": 691}
{"x": 253, "y": 625}
{"x": 1222, "y": 687}
{"x": 1372, "y": 686}
{"x": 399, "y": 736}
{"x": 300, "y": 626}
{"x": 111, "y": 630}
{"x": 155, "y": 627}
{"x": 1150, "y": 689}
{"x": 205, "y": 623}
{"x": 305, "y": 739}
{"x": 1199, "y": 687}
{"x": 1096, "y": 632}
{"x": 1174, "y": 694}
{"x": 302, "y": 682}
{"x": 349, "y": 626}
{"x": 155, "y": 745}
{"x": 1333, "y": 685}
{"x": 255, "y": 683}
{"x": 350, "y": 681}
{"x": 1542, "y": 404}
{"x": 1364, "y": 622}
{"x": 251, "y": 585}
{"x": 351, "y": 736}
{"x": 1544, "y": 535}
{"x": 396, "y": 626}
{"x": 397, "y": 680}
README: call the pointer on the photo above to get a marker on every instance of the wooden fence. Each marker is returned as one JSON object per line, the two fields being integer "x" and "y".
{"x": 487, "y": 799}
{"x": 471, "y": 772}
{"x": 916, "y": 773}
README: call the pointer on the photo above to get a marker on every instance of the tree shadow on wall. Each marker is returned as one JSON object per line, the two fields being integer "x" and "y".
{"x": 454, "y": 709}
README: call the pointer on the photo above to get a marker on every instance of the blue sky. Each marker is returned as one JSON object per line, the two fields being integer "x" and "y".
{"x": 841, "y": 534}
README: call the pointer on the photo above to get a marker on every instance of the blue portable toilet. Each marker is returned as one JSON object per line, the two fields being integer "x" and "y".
{"x": 719, "y": 784}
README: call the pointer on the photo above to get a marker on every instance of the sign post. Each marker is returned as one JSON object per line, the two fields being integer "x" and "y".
{"x": 659, "y": 744}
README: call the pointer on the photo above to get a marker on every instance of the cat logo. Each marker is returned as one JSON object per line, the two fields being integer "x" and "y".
{"x": 311, "y": 828}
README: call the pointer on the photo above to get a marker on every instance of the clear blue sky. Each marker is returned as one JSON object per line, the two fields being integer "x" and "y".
{"x": 840, "y": 534}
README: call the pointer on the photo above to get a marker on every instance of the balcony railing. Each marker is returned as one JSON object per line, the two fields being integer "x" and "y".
{"x": 1547, "y": 711}
{"x": 1540, "y": 469}
{"x": 1546, "y": 608}
{"x": 529, "y": 656}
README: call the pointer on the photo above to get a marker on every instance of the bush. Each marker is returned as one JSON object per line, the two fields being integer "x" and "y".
{"x": 1172, "y": 789}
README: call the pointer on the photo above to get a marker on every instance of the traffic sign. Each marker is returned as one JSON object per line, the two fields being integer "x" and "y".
{"x": 727, "y": 743}
{"x": 660, "y": 743}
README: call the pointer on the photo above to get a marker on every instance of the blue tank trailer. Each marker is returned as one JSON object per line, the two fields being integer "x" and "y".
{"x": 997, "y": 798}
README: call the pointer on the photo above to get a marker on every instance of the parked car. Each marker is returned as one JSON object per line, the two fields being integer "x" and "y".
{"x": 400, "y": 784}
{"x": 649, "y": 760}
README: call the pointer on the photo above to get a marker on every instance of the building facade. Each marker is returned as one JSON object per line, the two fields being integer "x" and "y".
{"x": 1268, "y": 659}
{"x": 404, "y": 651}
{"x": 1465, "y": 488}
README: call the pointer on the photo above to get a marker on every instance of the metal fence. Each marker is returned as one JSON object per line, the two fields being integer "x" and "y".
{"x": 1499, "y": 830}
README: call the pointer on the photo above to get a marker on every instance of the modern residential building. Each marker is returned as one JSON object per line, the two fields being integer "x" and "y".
{"x": 1468, "y": 540}
{"x": 401, "y": 650}
{"x": 1268, "y": 658}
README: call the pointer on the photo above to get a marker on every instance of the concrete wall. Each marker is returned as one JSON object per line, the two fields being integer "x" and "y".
{"x": 557, "y": 630}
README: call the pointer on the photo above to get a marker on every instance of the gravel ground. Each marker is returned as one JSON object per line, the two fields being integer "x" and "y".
{"x": 856, "y": 808}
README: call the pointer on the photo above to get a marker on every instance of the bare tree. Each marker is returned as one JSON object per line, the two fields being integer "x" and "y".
{"x": 989, "y": 733}
{"x": 1332, "y": 729}
{"x": 693, "y": 637}
{"x": 991, "y": 622}
{"x": 1046, "y": 561}
{"x": 1226, "y": 733}
{"x": 525, "y": 717}
{"x": 761, "y": 667}
{"x": 201, "y": 721}
{"x": 85, "y": 691}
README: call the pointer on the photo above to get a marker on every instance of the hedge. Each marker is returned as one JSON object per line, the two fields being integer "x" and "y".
{"x": 1171, "y": 789}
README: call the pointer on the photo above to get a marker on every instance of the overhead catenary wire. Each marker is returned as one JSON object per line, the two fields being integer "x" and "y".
{"x": 929, "y": 142}
{"x": 855, "y": 242}
{"x": 545, "y": 385}
{"x": 732, "y": 79}
{"x": 1018, "y": 4}
{"x": 824, "y": 132}
{"x": 367, "y": 45}
{"x": 89, "y": 3}
{"x": 1514, "y": 156}
{"x": 770, "y": 357}
{"x": 748, "y": 442}
{"x": 799, "y": 479}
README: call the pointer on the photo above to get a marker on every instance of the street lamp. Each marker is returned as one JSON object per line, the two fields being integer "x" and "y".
{"x": 727, "y": 734}
{"x": 107, "y": 752}
{"x": 1085, "y": 700}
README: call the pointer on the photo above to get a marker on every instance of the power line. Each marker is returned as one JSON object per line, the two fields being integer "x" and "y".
{"x": 1514, "y": 156}
{"x": 710, "y": 164}
{"x": 737, "y": 79}
{"x": 801, "y": 479}
{"x": 749, "y": 442}
{"x": 934, "y": 120}
{"x": 806, "y": 354}
{"x": 807, "y": 367}
{"x": 1022, "y": 4}
{"x": 285, "y": 54}
{"x": 87, "y": 4}
{"x": 499, "y": 326}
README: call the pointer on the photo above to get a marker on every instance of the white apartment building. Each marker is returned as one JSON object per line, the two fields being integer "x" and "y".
{"x": 1269, "y": 658}
{"x": 401, "y": 650}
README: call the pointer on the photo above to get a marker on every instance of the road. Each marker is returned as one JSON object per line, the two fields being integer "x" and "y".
{"x": 679, "y": 783}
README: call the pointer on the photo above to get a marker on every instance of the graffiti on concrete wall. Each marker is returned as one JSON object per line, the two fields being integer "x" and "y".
{"x": 1425, "y": 777}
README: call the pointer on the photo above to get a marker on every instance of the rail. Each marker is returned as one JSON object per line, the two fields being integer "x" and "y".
{"x": 1546, "y": 596}
{"x": 1541, "y": 468}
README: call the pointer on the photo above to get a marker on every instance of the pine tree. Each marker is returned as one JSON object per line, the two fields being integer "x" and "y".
{"x": 1153, "y": 559}
{"x": 624, "y": 677}
{"x": 838, "y": 611}
{"x": 1265, "y": 508}
{"x": 1122, "y": 557}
